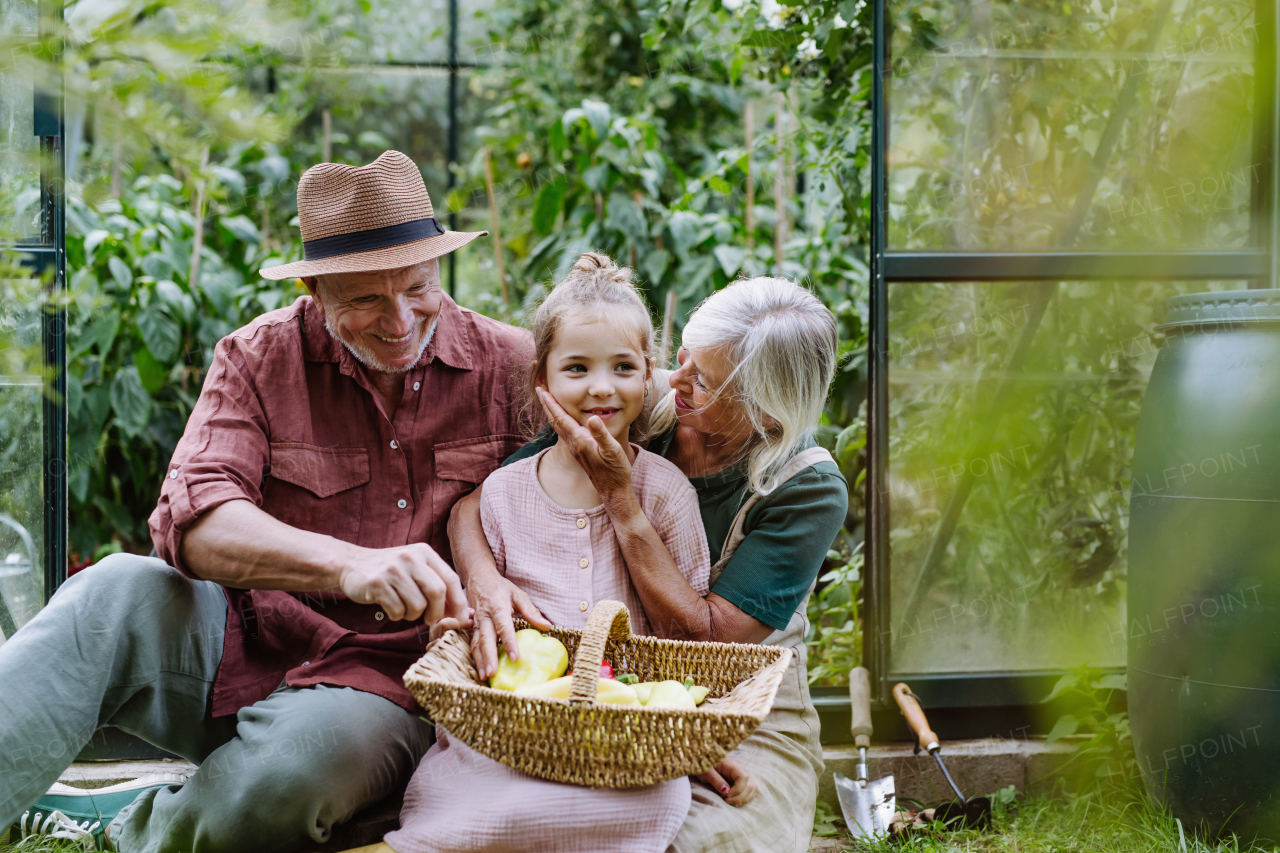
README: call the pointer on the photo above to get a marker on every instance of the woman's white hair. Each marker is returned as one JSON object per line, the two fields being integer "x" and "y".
{"x": 781, "y": 341}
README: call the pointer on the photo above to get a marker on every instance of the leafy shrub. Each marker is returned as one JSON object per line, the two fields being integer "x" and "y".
{"x": 140, "y": 338}
{"x": 835, "y": 638}
{"x": 1106, "y": 757}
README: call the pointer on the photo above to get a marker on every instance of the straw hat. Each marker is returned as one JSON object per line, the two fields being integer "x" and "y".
{"x": 366, "y": 218}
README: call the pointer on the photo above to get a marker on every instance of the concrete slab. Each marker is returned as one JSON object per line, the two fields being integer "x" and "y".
{"x": 980, "y": 767}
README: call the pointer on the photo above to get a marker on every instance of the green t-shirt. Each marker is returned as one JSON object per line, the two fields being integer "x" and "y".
{"x": 787, "y": 532}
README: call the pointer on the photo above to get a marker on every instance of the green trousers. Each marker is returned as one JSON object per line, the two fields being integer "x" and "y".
{"x": 133, "y": 643}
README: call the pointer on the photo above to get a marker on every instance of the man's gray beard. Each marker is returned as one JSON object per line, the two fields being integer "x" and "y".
{"x": 368, "y": 359}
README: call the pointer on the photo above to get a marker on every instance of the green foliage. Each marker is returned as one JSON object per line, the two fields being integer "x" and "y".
{"x": 1106, "y": 756}
{"x": 637, "y": 150}
{"x": 1089, "y": 823}
{"x": 835, "y": 638}
{"x": 827, "y": 822}
{"x": 141, "y": 336}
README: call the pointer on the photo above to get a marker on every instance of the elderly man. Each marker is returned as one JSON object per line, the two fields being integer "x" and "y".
{"x": 303, "y": 548}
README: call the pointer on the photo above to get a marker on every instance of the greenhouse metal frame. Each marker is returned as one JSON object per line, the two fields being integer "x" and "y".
{"x": 1259, "y": 264}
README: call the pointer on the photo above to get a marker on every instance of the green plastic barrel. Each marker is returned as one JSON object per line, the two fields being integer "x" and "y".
{"x": 1203, "y": 626}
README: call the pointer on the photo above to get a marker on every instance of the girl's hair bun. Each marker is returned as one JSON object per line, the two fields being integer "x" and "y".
{"x": 592, "y": 261}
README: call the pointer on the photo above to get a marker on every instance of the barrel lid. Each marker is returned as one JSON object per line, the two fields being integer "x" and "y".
{"x": 1229, "y": 307}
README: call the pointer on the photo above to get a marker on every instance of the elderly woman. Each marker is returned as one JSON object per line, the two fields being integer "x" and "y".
{"x": 738, "y": 421}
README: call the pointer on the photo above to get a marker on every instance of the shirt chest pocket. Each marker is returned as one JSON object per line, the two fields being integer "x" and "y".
{"x": 317, "y": 488}
{"x": 463, "y": 465}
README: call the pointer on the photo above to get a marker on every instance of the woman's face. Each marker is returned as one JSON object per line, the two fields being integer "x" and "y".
{"x": 594, "y": 368}
{"x": 701, "y": 374}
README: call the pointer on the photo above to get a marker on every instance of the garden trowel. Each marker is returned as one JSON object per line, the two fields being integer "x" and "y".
{"x": 868, "y": 806}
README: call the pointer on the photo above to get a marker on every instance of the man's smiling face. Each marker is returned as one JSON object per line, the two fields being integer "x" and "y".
{"x": 384, "y": 318}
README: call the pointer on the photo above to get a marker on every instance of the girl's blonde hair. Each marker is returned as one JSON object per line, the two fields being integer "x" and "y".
{"x": 781, "y": 341}
{"x": 594, "y": 281}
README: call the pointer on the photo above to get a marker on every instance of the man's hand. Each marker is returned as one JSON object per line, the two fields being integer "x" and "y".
{"x": 600, "y": 454}
{"x": 495, "y": 599}
{"x": 407, "y": 582}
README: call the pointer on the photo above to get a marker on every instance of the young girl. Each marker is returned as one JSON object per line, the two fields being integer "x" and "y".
{"x": 551, "y": 536}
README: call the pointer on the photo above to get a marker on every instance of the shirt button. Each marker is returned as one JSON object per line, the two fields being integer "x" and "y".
{"x": 582, "y": 522}
{"x": 417, "y": 385}
{"x": 582, "y": 606}
{"x": 402, "y": 503}
{"x": 583, "y": 563}
{"x": 379, "y": 616}
{"x": 173, "y": 475}
{"x": 306, "y": 663}
{"x": 393, "y": 444}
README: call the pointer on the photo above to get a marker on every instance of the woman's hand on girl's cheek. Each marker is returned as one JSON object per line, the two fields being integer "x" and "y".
{"x": 732, "y": 782}
{"x": 599, "y": 453}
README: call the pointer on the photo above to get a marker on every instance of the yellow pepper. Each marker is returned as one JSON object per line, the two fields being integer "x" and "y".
{"x": 607, "y": 690}
{"x": 667, "y": 696}
{"x": 542, "y": 659}
{"x": 670, "y": 694}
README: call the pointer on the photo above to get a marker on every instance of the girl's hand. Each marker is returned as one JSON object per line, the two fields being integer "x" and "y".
{"x": 449, "y": 623}
{"x": 731, "y": 781}
{"x": 599, "y": 453}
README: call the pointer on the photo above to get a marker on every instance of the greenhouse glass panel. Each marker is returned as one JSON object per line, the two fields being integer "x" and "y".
{"x": 22, "y": 570}
{"x": 1034, "y": 127}
{"x": 1035, "y": 450}
{"x": 22, "y": 577}
{"x": 19, "y": 148}
{"x": 395, "y": 33}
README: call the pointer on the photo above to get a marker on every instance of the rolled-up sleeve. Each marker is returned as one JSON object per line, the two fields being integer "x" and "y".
{"x": 222, "y": 456}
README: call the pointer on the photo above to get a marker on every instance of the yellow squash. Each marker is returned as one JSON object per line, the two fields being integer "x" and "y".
{"x": 608, "y": 691}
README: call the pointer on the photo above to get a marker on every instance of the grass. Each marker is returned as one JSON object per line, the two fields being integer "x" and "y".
{"x": 1090, "y": 823}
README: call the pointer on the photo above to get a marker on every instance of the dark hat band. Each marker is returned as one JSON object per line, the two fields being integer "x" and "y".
{"x": 374, "y": 238}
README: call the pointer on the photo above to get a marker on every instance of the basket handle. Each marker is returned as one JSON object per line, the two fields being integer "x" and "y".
{"x": 608, "y": 619}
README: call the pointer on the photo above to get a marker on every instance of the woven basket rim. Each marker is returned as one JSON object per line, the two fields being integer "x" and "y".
{"x": 710, "y": 705}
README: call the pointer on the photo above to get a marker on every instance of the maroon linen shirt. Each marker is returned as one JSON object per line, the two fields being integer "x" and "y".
{"x": 287, "y": 419}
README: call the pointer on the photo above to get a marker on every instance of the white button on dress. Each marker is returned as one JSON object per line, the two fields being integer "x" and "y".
{"x": 393, "y": 444}
{"x": 402, "y": 503}
{"x": 417, "y": 385}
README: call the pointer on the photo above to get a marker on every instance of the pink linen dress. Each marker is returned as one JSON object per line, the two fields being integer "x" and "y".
{"x": 460, "y": 801}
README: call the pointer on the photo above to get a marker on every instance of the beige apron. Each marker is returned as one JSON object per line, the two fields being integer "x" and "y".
{"x": 783, "y": 755}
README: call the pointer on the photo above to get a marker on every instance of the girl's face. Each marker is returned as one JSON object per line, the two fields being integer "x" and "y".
{"x": 696, "y": 383}
{"x": 595, "y": 368}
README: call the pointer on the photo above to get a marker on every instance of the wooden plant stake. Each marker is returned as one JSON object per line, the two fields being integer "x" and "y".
{"x": 749, "y": 219}
{"x": 326, "y": 144}
{"x": 493, "y": 218}
{"x": 668, "y": 327}
{"x": 637, "y": 197}
{"x": 197, "y": 242}
{"x": 116, "y": 156}
{"x": 780, "y": 183}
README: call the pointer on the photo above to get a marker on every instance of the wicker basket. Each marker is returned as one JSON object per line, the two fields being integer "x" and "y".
{"x": 584, "y": 743}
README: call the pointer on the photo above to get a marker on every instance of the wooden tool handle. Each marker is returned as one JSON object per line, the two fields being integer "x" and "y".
{"x": 915, "y": 717}
{"x": 860, "y": 705}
